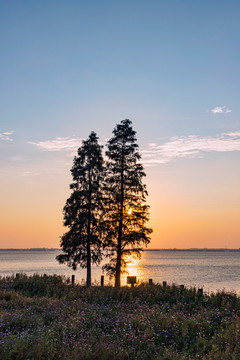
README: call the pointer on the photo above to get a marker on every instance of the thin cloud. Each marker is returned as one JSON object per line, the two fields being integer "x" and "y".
{"x": 29, "y": 173}
{"x": 17, "y": 158}
{"x": 192, "y": 146}
{"x": 6, "y": 136}
{"x": 58, "y": 144}
{"x": 221, "y": 110}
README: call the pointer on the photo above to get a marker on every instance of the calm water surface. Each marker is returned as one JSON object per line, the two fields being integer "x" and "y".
{"x": 212, "y": 270}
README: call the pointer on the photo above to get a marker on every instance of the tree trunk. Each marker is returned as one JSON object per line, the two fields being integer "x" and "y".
{"x": 119, "y": 257}
{"x": 89, "y": 230}
{"x": 88, "y": 263}
{"x": 119, "y": 244}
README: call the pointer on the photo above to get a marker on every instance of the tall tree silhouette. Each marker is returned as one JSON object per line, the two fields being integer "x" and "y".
{"x": 83, "y": 211}
{"x": 126, "y": 194}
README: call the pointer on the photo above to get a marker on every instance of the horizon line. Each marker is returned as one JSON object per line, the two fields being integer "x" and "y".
{"x": 154, "y": 249}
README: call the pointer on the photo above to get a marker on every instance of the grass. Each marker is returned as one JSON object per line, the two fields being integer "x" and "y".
{"x": 45, "y": 317}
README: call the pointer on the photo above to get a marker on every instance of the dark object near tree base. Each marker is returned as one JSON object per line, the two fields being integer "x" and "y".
{"x": 131, "y": 280}
{"x": 181, "y": 286}
{"x": 200, "y": 291}
{"x": 150, "y": 281}
{"x": 164, "y": 283}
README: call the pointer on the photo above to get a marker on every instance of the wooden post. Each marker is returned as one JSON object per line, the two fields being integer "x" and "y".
{"x": 150, "y": 281}
{"x": 102, "y": 280}
{"x": 164, "y": 283}
{"x": 200, "y": 291}
{"x": 73, "y": 279}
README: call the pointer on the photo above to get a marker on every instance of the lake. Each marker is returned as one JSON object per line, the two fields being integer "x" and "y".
{"x": 210, "y": 269}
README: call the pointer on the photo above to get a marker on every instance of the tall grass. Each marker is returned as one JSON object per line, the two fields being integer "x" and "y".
{"x": 45, "y": 317}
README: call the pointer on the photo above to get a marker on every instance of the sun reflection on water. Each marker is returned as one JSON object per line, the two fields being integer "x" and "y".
{"x": 132, "y": 268}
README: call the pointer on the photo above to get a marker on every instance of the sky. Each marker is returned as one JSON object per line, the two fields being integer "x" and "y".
{"x": 172, "y": 67}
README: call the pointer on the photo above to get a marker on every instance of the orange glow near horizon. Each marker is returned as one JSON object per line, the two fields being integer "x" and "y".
{"x": 172, "y": 228}
{"x": 189, "y": 212}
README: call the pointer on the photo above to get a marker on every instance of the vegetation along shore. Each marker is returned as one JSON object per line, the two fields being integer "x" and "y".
{"x": 45, "y": 317}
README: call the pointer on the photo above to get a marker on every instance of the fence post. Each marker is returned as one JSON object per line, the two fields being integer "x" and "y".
{"x": 73, "y": 279}
{"x": 102, "y": 280}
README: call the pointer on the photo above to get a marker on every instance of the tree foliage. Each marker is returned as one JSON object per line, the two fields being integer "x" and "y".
{"x": 84, "y": 209}
{"x": 127, "y": 211}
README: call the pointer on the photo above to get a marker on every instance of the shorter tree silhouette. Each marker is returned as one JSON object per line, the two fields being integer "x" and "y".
{"x": 81, "y": 244}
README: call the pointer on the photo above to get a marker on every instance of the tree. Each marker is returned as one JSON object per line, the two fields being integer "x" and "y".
{"x": 127, "y": 209}
{"x": 83, "y": 211}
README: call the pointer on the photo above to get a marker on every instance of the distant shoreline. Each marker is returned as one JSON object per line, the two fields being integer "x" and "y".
{"x": 174, "y": 249}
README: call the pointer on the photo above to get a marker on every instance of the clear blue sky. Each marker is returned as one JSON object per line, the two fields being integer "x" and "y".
{"x": 172, "y": 67}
